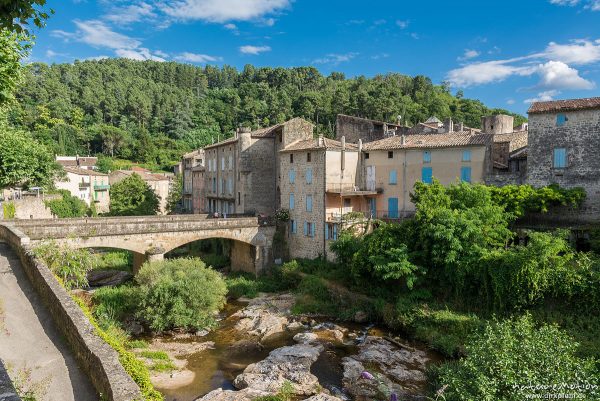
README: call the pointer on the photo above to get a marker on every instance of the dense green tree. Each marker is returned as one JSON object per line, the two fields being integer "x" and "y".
{"x": 15, "y": 15}
{"x": 13, "y": 48}
{"x": 24, "y": 161}
{"x": 175, "y": 194}
{"x": 132, "y": 197}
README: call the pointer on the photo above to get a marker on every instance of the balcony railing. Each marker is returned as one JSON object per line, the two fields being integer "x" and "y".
{"x": 348, "y": 189}
{"x": 101, "y": 187}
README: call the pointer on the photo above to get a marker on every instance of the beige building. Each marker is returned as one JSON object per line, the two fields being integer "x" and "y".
{"x": 188, "y": 162}
{"x": 83, "y": 162}
{"x": 319, "y": 187}
{"x": 159, "y": 183}
{"x": 88, "y": 185}
{"x": 393, "y": 165}
{"x": 242, "y": 173}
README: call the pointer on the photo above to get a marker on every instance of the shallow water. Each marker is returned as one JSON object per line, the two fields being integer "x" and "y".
{"x": 232, "y": 352}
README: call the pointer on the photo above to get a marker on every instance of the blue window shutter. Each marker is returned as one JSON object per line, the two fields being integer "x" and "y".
{"x": 393, "y": 177}
{"x": 309, "y": 176}
{"x": 427, "y": 175}
{"x": 466, "y": 156}
{"x": 465, "y": 174}
{"x": 393, "y": 208}
{"x": 561, "y": 119}
{"x": 292, "y": 176}
{"x": 335, "y": 231}
{"x": 427, "y": 157}
{"x": 326, "y": 231}
{"x": 560, "y": 158}
{"x": 292, "y": 201}
{"x": 312, "y": 229}
{"x": 309, "y": 204}
{"x": 293, "y": 226}
{"x": 305, "y": 228}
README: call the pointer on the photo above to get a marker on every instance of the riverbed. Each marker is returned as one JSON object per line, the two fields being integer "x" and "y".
{"x": 209, "y": 361}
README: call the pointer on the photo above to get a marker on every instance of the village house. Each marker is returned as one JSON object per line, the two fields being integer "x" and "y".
{"x": 354, "y": 129}
{"x": 563, "y": 145}
{"x": 88, "y": 185}
{"x": 242, "y": 172}
{"x": 159, "y": 183}
{"x": 393, "y": 165}
{"x": 83, "y": 162}
{"x": 198, "y": 190}
{"x": 188, "y": 162}
{"x": 319, "y": 186}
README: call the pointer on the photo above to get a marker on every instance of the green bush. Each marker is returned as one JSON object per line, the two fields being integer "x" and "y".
{"x": 521, "y": 199}
{"x": 114, "y": 260}
{"x": 180, "y": 293}
{"x": 277, "y": 279}
{"x": 69, "y": 265}
{"x": 215, "y": 261}
{"x": 9, "y": 210}
{"x": 68, "y": 206}
{"x": 132, "y": 197}
{"x": 115, "y": 303}
{"x": 507, "y": 357}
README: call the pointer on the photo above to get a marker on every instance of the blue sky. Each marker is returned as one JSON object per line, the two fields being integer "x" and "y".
{"x": 505, "y": 53}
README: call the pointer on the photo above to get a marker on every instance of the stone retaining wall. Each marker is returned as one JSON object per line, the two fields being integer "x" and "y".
{"x": 98, "y": 359}
{"x": 7, "y": 390}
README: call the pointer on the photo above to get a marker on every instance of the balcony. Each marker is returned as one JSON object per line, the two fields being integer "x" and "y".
{"x": 101, "y": 187}
{"x": 349, "y": 216}
{"x": 83, "y": 185}
{"x": 344, "y": 189}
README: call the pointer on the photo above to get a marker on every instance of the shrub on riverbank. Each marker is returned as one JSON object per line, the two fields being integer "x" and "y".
{"x": 507, "y": 357}
{"x": 179, "y": 293}
{"x": 68, "y": 264}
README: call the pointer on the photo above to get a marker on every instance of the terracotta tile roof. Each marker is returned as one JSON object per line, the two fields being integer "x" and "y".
{"x": 564, "y": 105}
{"x": 517, "y": 139}
{"x": 313, "y": 144}
{"x": 192, "y": 153}
{"x": 429, "y": 141}
{"x": 82, "y": 171}
{"x": 145, "y": 175}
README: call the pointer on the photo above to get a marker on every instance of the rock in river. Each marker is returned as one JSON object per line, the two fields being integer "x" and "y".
{"x": 283, "y": 364}
{"x": 100, "y": 278}
{"x": 265, "y": 316}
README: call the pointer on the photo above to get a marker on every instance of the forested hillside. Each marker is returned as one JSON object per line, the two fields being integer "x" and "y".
{"x": 151, "y": 112}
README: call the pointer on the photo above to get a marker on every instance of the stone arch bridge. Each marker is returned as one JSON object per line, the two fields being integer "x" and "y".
{"x": 150, "y": 237}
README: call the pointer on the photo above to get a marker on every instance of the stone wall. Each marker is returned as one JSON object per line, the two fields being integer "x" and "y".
{"x": 98, "y": 360}
{"x": 31, "y": 207}
{"x": 580, "y": 135}
{"x": 355, "y": 128}
{"x": 7, "y": 390}
{"x": 258, "y": 175}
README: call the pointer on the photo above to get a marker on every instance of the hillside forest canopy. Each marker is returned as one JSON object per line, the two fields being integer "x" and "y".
{"x": 151, "y": 112}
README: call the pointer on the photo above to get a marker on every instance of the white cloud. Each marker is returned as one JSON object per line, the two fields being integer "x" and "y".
{"x": 565, "y": 2}
{"x": 231, "y": 27}
{"x": 543, "y": 96}
{"x": 131, "y": 13}
{"x": 335, "y": 59}
{"x": 485, "y": 72}
{"x": 403, "y": 24}
{"x": 138, "y": 54}
{"x": 97, "y": 58}
{"x": 222, "y": 10}
{"x": 558, "y": 75}
{"x": 577, "y": 52}
{"x": 469, "y": 54}
{"x": 248, "y": 49}
{"x": 593, "y": 5}
{"x": 197, "y": 58}
{"x": 98, "y": 34}
{"x": 510, "y": 101}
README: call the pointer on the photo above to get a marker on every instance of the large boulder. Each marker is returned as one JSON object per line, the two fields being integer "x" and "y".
{"x": 323, "y": 397}
{"x": 287, "y": 364}
{"x": 229, "y": 395}
{"x": 265, "y": 316}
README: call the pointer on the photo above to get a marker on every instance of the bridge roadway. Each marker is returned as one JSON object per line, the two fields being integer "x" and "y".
{"x": 150, "y": 237}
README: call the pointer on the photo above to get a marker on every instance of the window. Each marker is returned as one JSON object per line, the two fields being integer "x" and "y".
{"x": 561, "y": 120}
{"x": 214, "y": 185}
{"x": 427, "y": 157}
{"x": 292, "y": 201}
{"x": 560, "y": 158}
{"x": 465, "y": 174}
{"x": 347, "y": 203}
{"x": 291, "y": 157}
{"x": 308, "y": 157}
{"x": 292, "y": 175}
{"x": 309, "y": 176}
{"x": 229, "y": 186}
{"x": 366, "y": 156}
{"x": 222, "y": 163}
{"x": 309, "y": 203}
{"x": 293, "y": 226}
{"x": 390, "y": 155}
{"x": 393, "y": 177}
{"x": 309, "y": 229}
{"x": 331, "y": 231}
{"x": 466, "y": 156}
{"x": 239, "y": 198}
{"x": 230, "y": 162}
{"x": 427, "y": 175}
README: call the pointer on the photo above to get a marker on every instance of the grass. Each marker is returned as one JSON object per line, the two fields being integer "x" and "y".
{"x": 163, "y": 366}
{"x": 155, "y": 355}
{"x": 114, "y": 260}
{"x": 137, "y": 344}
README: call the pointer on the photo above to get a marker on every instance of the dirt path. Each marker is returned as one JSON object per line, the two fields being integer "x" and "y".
{"x": 30, "y": 340}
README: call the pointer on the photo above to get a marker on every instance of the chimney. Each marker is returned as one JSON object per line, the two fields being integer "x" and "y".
{"x": 359, "y": 145}
{"x": 448, "y": 125}
{"x": 461, "y": 127}
{"x": 403, "y": 139}
{"x": 321, "y": 141}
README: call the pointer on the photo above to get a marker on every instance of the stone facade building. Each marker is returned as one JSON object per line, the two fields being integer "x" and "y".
{"x": 319, "y": 186}
{"x": 367, "y": 130}
{"x": 564, "y": 140}
{"x": 188, "y": 162}
{"x": 198, "y": 190}
{"x": 242, "y": 173}
{"x": 88, "y": 185}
